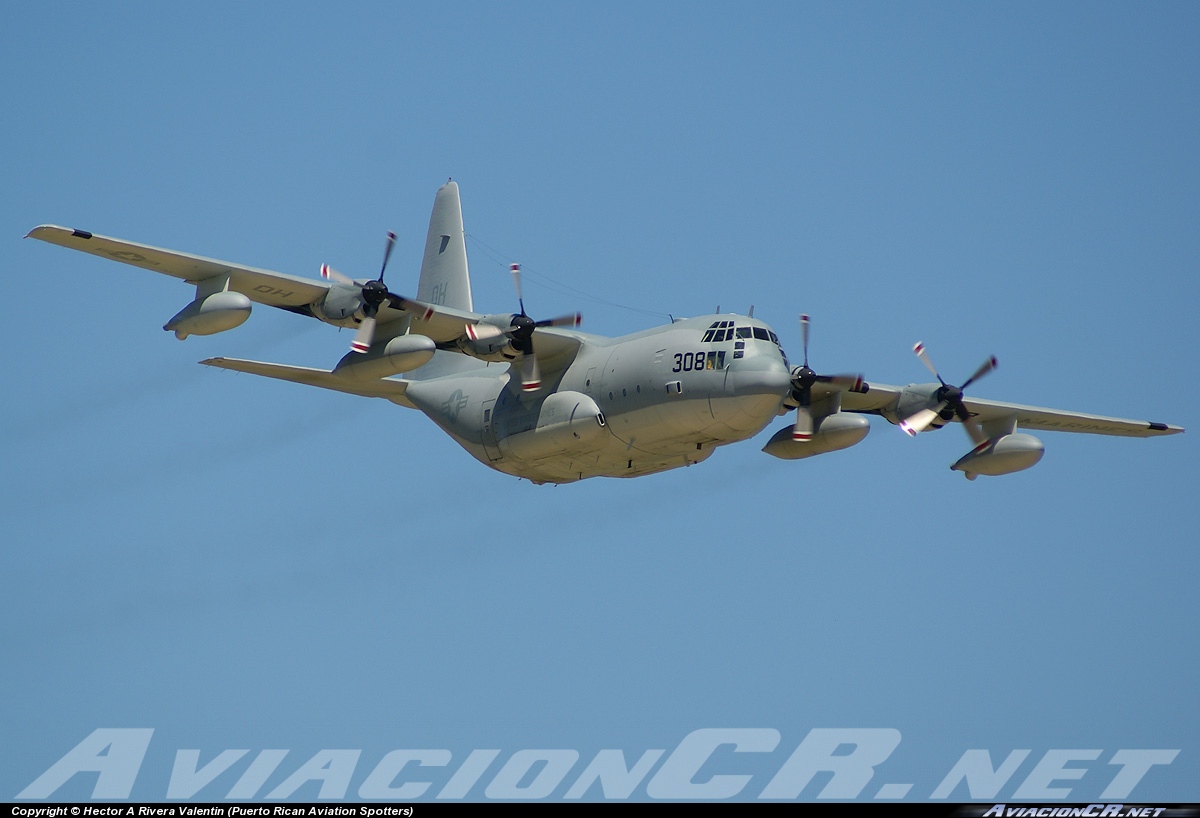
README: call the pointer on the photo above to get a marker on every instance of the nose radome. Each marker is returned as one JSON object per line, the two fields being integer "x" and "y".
{"x": 759, "y": 375}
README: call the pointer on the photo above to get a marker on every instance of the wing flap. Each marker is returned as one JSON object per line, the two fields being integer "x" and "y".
{"x": 389, "y": 388}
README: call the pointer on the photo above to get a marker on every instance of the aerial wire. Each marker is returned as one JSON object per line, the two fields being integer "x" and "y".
{"x": 553, "y": 284}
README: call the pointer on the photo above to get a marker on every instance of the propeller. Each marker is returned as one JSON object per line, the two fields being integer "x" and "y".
{"x": 948, "y": 397}
{"x": 374, "y": 293}
{"x": 803, "y": 380}
{"x": 520, "y": 334}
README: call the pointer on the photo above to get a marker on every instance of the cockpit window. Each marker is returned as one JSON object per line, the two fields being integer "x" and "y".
{"x": 718, "y": 331}
{"x": 743, "y": 332}
{"x": 761, "y": 334}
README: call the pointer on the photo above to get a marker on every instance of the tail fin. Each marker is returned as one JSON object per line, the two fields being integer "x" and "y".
{"x": 444, "y": 277}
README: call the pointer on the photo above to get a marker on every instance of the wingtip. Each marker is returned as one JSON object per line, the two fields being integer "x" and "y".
{"x": 41, "y": 230}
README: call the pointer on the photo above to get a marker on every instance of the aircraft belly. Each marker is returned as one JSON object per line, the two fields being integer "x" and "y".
{"x": 738, "y": 418}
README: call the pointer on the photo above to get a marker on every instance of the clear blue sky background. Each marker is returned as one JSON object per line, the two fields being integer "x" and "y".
{"x": 242, "y": 563}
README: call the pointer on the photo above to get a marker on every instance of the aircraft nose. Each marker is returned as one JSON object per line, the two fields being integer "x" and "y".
{"x": 759, "y": 375}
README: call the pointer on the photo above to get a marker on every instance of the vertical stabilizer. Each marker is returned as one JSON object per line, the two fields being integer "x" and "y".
{"x": 444, "y": 278}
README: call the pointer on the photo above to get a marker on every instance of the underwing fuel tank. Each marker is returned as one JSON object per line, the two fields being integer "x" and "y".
{"x": 567, "y": 421}
{"x": 839, "y": 431}
{"x": 210, "y": 315}
{"x": 404, "y": 353}
{"x": 1001, "y": 455}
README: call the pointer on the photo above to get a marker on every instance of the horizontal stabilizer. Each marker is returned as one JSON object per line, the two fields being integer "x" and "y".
{"x": 393, "y": 390}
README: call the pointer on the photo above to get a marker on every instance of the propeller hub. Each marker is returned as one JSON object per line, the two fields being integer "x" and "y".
{"x": 803, "y": 377}
{"x": 950, "y": 394}
{"x": 523, "y": 326}
{"x": 374, "y": 292}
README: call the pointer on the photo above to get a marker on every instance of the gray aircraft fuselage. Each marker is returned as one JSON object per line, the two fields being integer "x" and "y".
{"x": 624, "y": 407}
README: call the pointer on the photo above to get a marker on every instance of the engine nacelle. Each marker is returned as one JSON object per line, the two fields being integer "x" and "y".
{"x": 404, "y": 353}
{"x": 1001, "y": 455}
{"x": 914, "y": 398}
{"x": 209, "y": 315}
{"x": 837, "y": 431}
{"x": 566, "y": 422}
{"x": 493, "y": 348}
{"x": 342, "y": 306}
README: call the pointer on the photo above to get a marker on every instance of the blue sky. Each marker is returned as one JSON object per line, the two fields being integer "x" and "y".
{"x": 241, "y": 563}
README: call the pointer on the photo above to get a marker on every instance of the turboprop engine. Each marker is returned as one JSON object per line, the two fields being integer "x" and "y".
{"x": 1001, "y": 455}
{"x": 838, "y": 431}
{"x": 210, "y": 314}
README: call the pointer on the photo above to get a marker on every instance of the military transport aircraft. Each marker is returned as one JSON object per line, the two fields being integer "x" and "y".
{"x": 543, "y": 401}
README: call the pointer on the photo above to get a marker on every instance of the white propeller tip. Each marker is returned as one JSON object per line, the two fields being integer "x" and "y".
{"x": 908, "y": 430}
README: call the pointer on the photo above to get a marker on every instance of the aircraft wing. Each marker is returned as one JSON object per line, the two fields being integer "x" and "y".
{"x": 882, "y": 398}
{"x": 444, "y": 325}
{"x": 393, "y": 390}
{"x": 555, "y": 348}
{"x": 262, "y": 286}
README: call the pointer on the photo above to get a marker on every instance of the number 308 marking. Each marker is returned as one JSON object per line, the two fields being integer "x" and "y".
{"x": 688, "y": 361}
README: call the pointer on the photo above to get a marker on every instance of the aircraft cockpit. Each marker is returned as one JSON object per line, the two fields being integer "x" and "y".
{"x": 720, "y": 331}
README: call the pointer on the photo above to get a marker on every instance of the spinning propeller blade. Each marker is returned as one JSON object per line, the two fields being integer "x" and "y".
{"x": 483, "y": 332}
{"x": 374, "y": 294}
{"x": 531, "y": 376}
{"x": 520, "y": 334}
{"x": 365, "y": 335}
{"x": 803, "y": 379}
{"x": 948, "y": 397}
{"x": 920, "y": 421}
{"x": 330, "y": 274}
